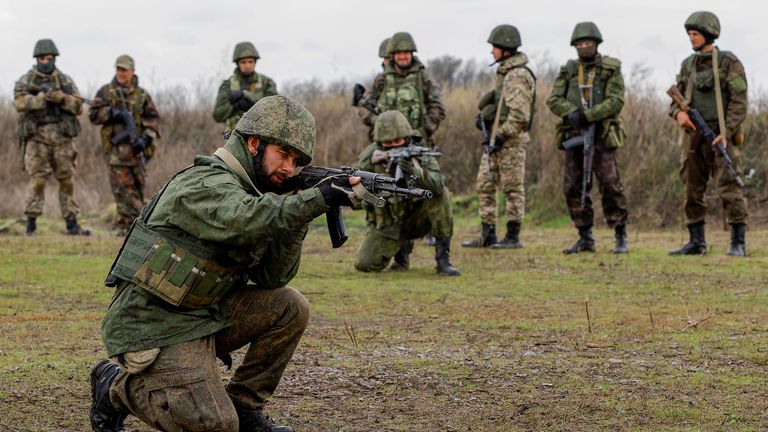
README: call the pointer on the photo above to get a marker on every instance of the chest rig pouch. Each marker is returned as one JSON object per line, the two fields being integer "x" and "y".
{"x": 179, "y": 272}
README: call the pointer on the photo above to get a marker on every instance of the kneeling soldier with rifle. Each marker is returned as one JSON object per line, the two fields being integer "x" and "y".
{"x": 588, "y": 95}
{"x": 393, "y": 227}
{"x": 129, "y": 135}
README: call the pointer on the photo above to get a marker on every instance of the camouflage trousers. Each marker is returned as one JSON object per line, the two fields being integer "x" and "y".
{"x": 699, "y": 164}
{"x": 606, "y": 170}
{"x": 508, "y": 169}
{"x": 433, "y": 216}
{"x": 47, "y": 153}
{"x": 127, "y": 184}
{"x": 182, "y": 389}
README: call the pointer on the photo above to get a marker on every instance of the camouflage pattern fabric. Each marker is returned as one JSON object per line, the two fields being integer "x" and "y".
{"x": 698, "y": 167}
{"x": 606, "y": 172}
{"x": 127, "y": 183}
{"x": 182, "y": 389}
{"x": 50, "y": 153}
{"x": 517, "y": 85}
{"x": 254, "y": 87}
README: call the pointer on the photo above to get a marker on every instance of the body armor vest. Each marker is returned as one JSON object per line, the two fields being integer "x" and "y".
{"x": 406, "y": 94}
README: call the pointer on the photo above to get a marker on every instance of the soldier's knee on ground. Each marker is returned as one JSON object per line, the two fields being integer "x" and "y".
{"x": 299, "y": 306}
{"x": 371, "y": 264}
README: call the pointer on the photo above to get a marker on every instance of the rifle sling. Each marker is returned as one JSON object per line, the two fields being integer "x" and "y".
{"x": 231, "y": 161}
{"x": 719, "y": 97}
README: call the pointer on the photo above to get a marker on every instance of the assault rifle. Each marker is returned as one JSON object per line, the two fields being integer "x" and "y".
{"x": 129, "y": 134}
{"x": 45, "y": 88}
{"x": 394, "y": 155}
{"x": 586, "y": 139}
{"x": 361, "y": 99}
{"x": 708, "y": 134}
{"x": 373, "y": 188}
{"x": 488, "y": 146}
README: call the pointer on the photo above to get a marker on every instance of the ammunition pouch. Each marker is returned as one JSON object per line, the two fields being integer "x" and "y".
{"x": 178, "y": 272}
{"x": 613, "y": 133}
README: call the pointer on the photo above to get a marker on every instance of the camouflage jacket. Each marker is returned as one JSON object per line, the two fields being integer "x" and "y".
{"x": 415, "y": 94}
{"x": 518, "y": 84}
{"x": 397, "y": 209}
{"x": 145, "y": 116}
{"x": 607, "y": 98}
{"x": 701, "y": 94}
{"x": 254, "y": 88}
{"x": 31, "y": 101}
{"x": 211, "y": 206}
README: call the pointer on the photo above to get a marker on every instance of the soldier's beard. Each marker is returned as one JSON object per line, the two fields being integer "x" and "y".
{"x": 263, "y": 181}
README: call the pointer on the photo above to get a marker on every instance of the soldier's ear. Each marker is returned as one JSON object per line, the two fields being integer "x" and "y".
{"x": 253, "y": 145}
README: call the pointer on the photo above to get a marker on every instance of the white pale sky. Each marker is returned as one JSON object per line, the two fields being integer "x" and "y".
{"x": 190, "y": 42}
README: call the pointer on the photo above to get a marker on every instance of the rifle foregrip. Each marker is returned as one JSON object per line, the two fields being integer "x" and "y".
{"x": 336, "y": 229}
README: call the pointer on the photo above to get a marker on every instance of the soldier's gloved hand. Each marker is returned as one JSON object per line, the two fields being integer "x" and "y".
{"x": 235, "y": 96}
{"x": 116, "y": 114}
{"x": 244, "y": 104}
{"x": 577, "y": 119}
{"x": 142, "y": 142}
{"x": 333, "y": 196}
{"x": 55, "y": 96}
{"x": 478, "y": 122}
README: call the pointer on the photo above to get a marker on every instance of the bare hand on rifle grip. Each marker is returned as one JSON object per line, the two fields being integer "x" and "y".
{"x": 684, "y": 121}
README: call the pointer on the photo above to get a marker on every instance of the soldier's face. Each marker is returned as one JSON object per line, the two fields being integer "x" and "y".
{"x": 278, "y": 162}
{"x": 697, "y": 39}
{"x": 45, "y": 59}
{"x": 396, "y": 143}
{"x": 124, "y": 76}
{"x": 246, "y": 66}
{"x": 497, "y": 52}
{"x": 403, "y": 59}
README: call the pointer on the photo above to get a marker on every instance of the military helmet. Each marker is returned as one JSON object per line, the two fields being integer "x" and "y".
{"x": 45, "y": 47}
{"x": 245, "y": 50}
{"x": 401, "y": 41}
{"x": 391, "y": 126}
{"x": 705, "y": 22}
{"x": 283, "y": 121}
{"x": 505, "y": 36}
{"x": 586, "y": 30}
{"x": 383, "y": 48}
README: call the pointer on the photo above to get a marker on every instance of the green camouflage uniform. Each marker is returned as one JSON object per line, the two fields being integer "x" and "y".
{"x": 607, "y": 102}
{"x": 413, "y": 93}
{"x": 401, "y": 220}
{"x": 210, "y": 209}
{"x": 47, "y": 131}
{"x": 699, "y": 161}
{"x": 517, "y": 83}
{"x": 127, "y": 174}
{"x": 254, "y": 88}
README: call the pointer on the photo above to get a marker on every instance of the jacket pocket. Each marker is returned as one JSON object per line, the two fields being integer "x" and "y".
{"x": 184, "y": 396}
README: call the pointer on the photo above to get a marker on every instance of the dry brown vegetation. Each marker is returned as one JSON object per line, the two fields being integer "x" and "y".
{"x": 650, "y": 160}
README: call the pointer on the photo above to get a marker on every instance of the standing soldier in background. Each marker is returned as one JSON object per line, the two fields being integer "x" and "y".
{"x": 49, "y": 103}
{"x": 506, "y": 114}
{"x": 590, "y": 90}
{"x": 369, "y": 118}
{"x": 245, "y": 87}
{"x": 392, "y": 228}
{"x": 722, "y": 101}
{"x": 129, "y": 134}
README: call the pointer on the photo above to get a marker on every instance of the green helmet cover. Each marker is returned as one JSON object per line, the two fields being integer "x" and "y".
{"x": 391, "y": 126}
{"x": 45, "y": 47}
{"x": 705, "y": 22}
{"x": 283, "y": 121}
{"x": 401, "y": 41}
{"x": 505, "y": 36}
{"x": 245, "y": 50}
{"x": 383, "y": 48}
{"x": 586, "y": 30}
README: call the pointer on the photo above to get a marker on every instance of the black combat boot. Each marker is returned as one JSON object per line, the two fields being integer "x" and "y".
{"x": 442, "y": 256}
{"x": 585, "y": 243}
{"x": 512, "y": 239}
{"x": 697, "y": 245}
{"x": 738, "y": 246}
{"x": 104, "y": 416}
{"x": 486, "y": 239}
{"x": 401, "y": 261}
{"x": 252, "y": 420}
{"x": 622, "y": 246}
{"x": 74, "y": 228}
{"x": 31, "y": 226}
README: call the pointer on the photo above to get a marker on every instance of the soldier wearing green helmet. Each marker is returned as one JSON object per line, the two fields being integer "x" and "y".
{"x": 506, "y": 114}
{"x": 202, "y": 273}
{"x": 48, "y": 104}
{"x": 244, "y": 88}
{"x": 715, "y": 84}
{"x": 392, "y": 228}
{"x": 590, "y": 91}
{"x": 407, "y": 87}
{"x": 369, "y": 119}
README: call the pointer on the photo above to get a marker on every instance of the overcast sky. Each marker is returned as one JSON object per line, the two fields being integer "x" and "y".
{"x": 190, "y": 42}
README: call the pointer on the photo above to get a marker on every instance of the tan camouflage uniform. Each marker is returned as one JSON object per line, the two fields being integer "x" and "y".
{"x": 47, "y": 130}
{"x": 518, "y": 85}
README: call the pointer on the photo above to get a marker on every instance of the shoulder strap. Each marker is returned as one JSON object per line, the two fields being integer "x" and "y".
{"x": 228, "y": 158}
{"x": 234, "y": 83}
{"x": 691, "y": 63}
{"x": 719, "y": 96}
